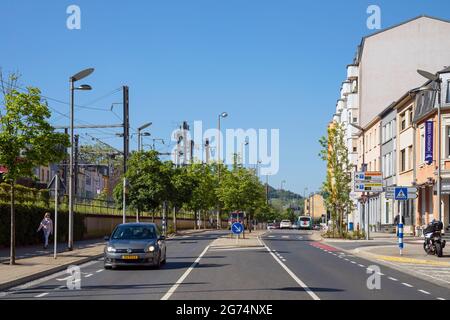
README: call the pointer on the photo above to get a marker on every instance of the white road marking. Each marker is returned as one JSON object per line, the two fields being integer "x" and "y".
{"x": 184, "y": 276}
{"x": 41, "y": 295}
{"x": 101, "y": 270}
{"x": 380, "y": 273}
{"x": 353, "y": 262}
{"x": 50, "y": 277}
{"x": 407, "y": 285}
{"x": 296, "y": 279}
{"x": 285, "y": 237}
{"x": 393, "y": 279}
{"x": 281, "y": 257}
{"x": 361, "y": 265}
{"x": 271, "y": 236}
{"x": 89, "y": 275}
{"x": 442, "y": 299}
{"x": 425, "y": 292}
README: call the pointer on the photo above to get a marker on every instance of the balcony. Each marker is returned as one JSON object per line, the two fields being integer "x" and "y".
{"x": 346, "y": 88}
{"x": 352, "y": 72}
{"x": 353, "y": 101}
{"x": 341, "y": 105}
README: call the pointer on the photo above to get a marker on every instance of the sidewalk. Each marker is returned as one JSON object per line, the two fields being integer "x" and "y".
{"x": 230, "y": 241}
{"x": 33, "y": 262}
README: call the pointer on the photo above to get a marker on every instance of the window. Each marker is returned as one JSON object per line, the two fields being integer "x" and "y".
{"x": 355, "y": 149}
{"x": 410, "y": 117}
{"x": 403, "y": 160}
{"x": 355, "y": 120}
{"x": 402, "y": 122}
{"x": 448, "y": 92}
{"x": 448, "y": 141}
{"x": 410, "y": 157}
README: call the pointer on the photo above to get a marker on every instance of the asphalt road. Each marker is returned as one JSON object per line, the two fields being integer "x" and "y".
{"x": 291, "y": 266}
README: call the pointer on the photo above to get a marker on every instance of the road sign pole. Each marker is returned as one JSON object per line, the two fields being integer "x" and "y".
{"x": 400, "y": 229}
{"x": 56, "y": 217}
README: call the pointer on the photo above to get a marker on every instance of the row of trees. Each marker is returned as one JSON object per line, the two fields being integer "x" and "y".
{"x": 198, "y": 187}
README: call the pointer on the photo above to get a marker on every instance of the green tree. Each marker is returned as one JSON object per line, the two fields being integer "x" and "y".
{"x": 337, "y": 185}
{"x": 148, "y": 180}
{"x": 27, "y": 140}
{"x": 203, "y": 197}
{"x": 240, "y": 189}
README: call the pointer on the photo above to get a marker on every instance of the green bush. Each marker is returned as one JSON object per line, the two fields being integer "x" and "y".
{"x": 28, "y": 218}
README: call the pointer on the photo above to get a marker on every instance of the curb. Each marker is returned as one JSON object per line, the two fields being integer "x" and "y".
{"x": 35, "y": 276}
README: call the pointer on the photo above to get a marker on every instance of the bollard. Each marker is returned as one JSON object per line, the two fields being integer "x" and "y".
{"x": 400, "y": 238}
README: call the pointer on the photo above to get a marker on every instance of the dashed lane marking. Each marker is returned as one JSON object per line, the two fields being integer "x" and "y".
{"x": 41, "y": 295}
{"x": 424, "y": 292}
{"x": 393, "y": 279}
{"x": 407, "y": 285}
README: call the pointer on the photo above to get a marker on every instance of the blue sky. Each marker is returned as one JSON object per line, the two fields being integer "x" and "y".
{"x": 269, "y": 64}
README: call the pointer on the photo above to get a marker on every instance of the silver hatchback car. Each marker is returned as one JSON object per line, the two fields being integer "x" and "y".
{"x": 135, "y": 244}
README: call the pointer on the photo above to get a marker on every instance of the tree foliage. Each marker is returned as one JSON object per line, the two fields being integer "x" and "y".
{"x": 337, "y": 186}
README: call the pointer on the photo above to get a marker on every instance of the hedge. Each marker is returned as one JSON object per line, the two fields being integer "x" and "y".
{"x": 28, "y": 218}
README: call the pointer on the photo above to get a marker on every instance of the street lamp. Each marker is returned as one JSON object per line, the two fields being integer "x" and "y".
{"x": 145, "y": 126}
{"x": 436, "y": 79}
{"x": 80, "y": 75}
{"x": 245, "y": 143}
{"x": 222, "y": 115}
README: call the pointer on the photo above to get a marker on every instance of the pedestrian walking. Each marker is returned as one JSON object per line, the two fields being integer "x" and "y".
{"x": 47, "y": 228}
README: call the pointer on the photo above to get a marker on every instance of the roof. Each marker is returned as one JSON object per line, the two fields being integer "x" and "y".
{"x": 363, "y": 40}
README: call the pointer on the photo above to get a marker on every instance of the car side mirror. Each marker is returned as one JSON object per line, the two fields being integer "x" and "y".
{"x": 106, "y": 238}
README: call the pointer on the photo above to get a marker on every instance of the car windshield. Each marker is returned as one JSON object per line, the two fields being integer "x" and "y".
{"x": 304, "y": 219}
{"x": 134, "y": 233}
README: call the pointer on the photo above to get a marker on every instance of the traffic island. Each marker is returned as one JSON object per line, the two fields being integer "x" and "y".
{"x": 251, "y": 240}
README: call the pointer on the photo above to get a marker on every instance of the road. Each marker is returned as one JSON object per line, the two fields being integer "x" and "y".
{"x": 290, "y": 266}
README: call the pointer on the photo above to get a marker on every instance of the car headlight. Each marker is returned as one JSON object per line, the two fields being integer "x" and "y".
{"x": 151, "y": 249}
{"x": 110, "y": 249}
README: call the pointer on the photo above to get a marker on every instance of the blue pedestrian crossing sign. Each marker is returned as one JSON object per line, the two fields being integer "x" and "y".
{"x": 401, "y": 194}
{"x": 237, "y": 228}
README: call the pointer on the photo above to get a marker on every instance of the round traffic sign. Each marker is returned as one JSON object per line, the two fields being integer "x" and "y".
{"x": 237, "y": 228}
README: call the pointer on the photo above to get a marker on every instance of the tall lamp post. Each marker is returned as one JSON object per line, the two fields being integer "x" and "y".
{"x": 80, "y": 75}
{"x": 304, "y": 200}
{"x": 219, "y": 160}
{"x": 436, "y": 79}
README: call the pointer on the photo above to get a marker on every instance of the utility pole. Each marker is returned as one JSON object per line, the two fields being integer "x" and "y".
{"x": 75, "y": 165}
{"x": 267, "y": 189}
{"x": 126, "y": 128}
{"x": 126, "y": 141}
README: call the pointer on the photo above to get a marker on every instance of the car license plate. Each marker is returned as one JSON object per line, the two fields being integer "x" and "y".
{"x": 130, "y": 257}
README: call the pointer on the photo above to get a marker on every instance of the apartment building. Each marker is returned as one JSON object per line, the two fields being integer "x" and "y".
{"x": 315, "y": 206}
{"x": 384, "y": 68}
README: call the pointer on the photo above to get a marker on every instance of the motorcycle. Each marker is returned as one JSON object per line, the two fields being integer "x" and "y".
{"x": 433, "y": 243}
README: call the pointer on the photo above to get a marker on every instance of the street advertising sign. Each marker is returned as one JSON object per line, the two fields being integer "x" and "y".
{"x": 429, "y": 142}
{"x": 237, "y": 228}
{"x": 401, "y": 193}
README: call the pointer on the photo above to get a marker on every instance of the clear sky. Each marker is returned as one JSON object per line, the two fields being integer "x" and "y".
{"x": 269, "y": 64}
